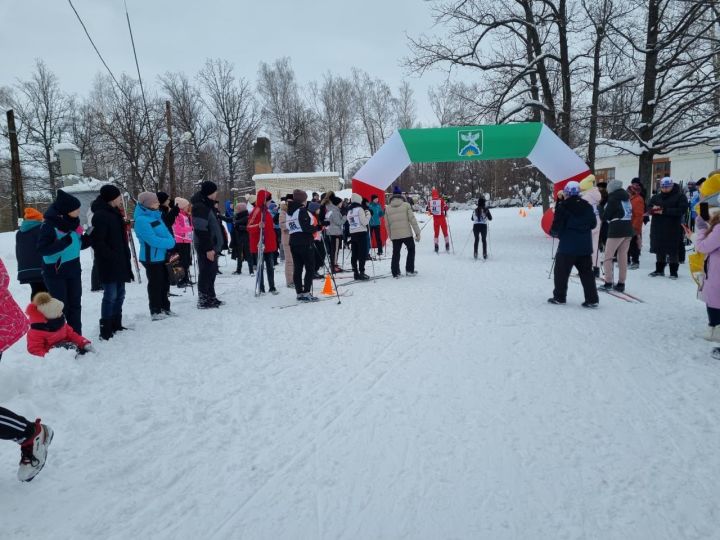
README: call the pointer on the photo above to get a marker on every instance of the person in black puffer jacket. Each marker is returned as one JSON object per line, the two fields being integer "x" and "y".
{"x": 573, "y": 224}
{"x": 29, "y": 261}
{"x": 242, "y": 240}
{"x": 299, "y": 225}
{"x": 208, "y": 239}
{"x": 667, "y": 209}
{"x": 112, "y": 257}
{"x": 617, "y": 213}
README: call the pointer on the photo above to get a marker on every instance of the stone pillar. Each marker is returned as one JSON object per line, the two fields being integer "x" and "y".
{"x": 261, "y": 156}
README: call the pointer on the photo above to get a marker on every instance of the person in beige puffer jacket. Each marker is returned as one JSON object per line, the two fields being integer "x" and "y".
{"x": 401, "y": 223}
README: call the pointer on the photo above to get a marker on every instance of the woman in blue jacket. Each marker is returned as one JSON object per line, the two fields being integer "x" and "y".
{"x": 155, "y": 239}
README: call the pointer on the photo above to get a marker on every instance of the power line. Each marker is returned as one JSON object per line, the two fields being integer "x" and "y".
{"x": 95, "y": 47}
{"x": 142, "y": 89}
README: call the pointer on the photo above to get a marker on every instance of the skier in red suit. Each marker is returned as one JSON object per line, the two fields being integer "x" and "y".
{"x": 438, "y": 208}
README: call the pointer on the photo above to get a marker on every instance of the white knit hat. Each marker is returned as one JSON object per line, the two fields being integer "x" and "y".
{"x": 50, "y": 307}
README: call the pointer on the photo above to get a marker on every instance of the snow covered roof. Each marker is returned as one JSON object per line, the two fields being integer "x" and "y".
{"x": 65, "y": 146}
{"x": 82, "y": 184}
{"x": 296, "y": 176}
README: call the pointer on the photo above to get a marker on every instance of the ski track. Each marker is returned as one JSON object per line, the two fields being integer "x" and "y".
{"x": 457, "y": 404}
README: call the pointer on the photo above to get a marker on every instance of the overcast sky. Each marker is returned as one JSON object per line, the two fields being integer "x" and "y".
{"x": 178, "y": 35}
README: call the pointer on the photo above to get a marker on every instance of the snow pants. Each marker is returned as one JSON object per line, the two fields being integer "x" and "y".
{"x": 303, "y": 259}
{"x": 440, "y": 222}
{"x": 635, "y": 248}
{"x": 359, "y": 251}
{"x": 69, "y": 292}
{"x": 375, "y": 232}
{"x": 621, "y": 246}
{"x": 563, "y": 266}
{"x": 335, "y": 247}
{"x": 14, "y": 427}
{"x": 409, "y": 262}
{"x": 158, "y": 287}
{"x": 207, "y": 272}
{"x": 36, "y": 287}
{"x": 713, "y": 316}
{"x": 269, "y": 263}
{"x": 596, "y": 245}
{"x": 480, "y": 229}
{"x": 183, "y": 251}
{"x": 242, "y": 252}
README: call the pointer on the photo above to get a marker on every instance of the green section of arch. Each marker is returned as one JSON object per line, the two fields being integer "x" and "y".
{"x": 470, "y": 143}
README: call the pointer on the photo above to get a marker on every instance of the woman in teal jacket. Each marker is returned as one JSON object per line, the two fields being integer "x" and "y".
{"x": 377, "y": 213}
{"x": 155, "y": 240}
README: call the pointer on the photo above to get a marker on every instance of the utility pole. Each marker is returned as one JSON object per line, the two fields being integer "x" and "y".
{"x": 18, "y": 206}
{"x": 171, "y": 151}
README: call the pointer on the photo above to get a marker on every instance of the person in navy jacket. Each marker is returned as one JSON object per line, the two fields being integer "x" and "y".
{"x": 573, "y": 224}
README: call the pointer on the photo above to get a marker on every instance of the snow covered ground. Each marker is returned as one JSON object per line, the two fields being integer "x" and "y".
{"x": 454, "y": 405}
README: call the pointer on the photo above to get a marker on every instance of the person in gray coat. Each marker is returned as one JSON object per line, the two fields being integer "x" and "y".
{"x": 401, "y": 223}
{"x": 334, "y": 221}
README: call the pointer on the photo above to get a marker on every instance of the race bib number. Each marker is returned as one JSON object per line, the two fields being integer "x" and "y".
{"x": 436, "y": 207}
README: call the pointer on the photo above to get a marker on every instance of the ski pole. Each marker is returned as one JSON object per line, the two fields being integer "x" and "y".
{"x": 261, "y": 252}
{"x": 552, "y": 266}
{"x": 450, "y": 233}
{"x": 132, "y": 242}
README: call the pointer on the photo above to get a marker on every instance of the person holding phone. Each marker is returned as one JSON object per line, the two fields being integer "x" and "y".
{"x": 667, "y": 208}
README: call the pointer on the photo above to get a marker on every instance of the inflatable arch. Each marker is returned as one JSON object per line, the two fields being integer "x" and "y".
{"x": 532, "y": 140}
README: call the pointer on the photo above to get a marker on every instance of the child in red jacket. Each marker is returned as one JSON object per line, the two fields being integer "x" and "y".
{"x": 48, "y": 328}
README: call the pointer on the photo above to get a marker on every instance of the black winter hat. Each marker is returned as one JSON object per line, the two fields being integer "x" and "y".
{"x": 162, "y": 197}
{"x": 66, "y": 203}
{"x": 109, "y": 193}
{"x": 207, "y": 188}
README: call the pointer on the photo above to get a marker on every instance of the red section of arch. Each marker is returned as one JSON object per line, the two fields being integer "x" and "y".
{"x": 366, "y": 191}
{"x": 558, "y": 186}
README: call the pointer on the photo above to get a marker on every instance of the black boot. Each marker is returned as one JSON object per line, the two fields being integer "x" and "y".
{"x": 659, "y": 270}
{"x": 674, "y": 270}
{"x": 116, "y": 323}
{"x": 106, "y": 329}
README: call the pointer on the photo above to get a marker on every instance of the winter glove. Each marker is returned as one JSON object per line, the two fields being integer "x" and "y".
{"x": 417, "y": 237}
{"x": 646, "y": 220}
{"x": 79, "y": 230}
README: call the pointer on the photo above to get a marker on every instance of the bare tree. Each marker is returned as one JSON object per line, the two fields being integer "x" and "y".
{"x": 128, "y": 138}
{"x": 42, "y": 111}
{"x": 287, "y": 116}
{"x": 676, "y": 55}
{"x": 335, "y": 115}
{"x": 608, "y": 72}
{"x": 192, "y": 127}
{"x": 235, "y": 113}
{"x": 405, "y": 107}
{"x": 376, "y": 107}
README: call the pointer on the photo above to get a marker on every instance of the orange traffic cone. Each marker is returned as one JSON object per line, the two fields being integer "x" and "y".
{"x": 328, "y": 288}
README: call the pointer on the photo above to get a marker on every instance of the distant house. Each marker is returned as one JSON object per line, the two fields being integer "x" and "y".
{"x": 618, "y": 160}
{"x": 279, "y": 184}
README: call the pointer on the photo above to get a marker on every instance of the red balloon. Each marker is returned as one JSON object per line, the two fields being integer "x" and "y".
{"x": 546, "y": 221}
